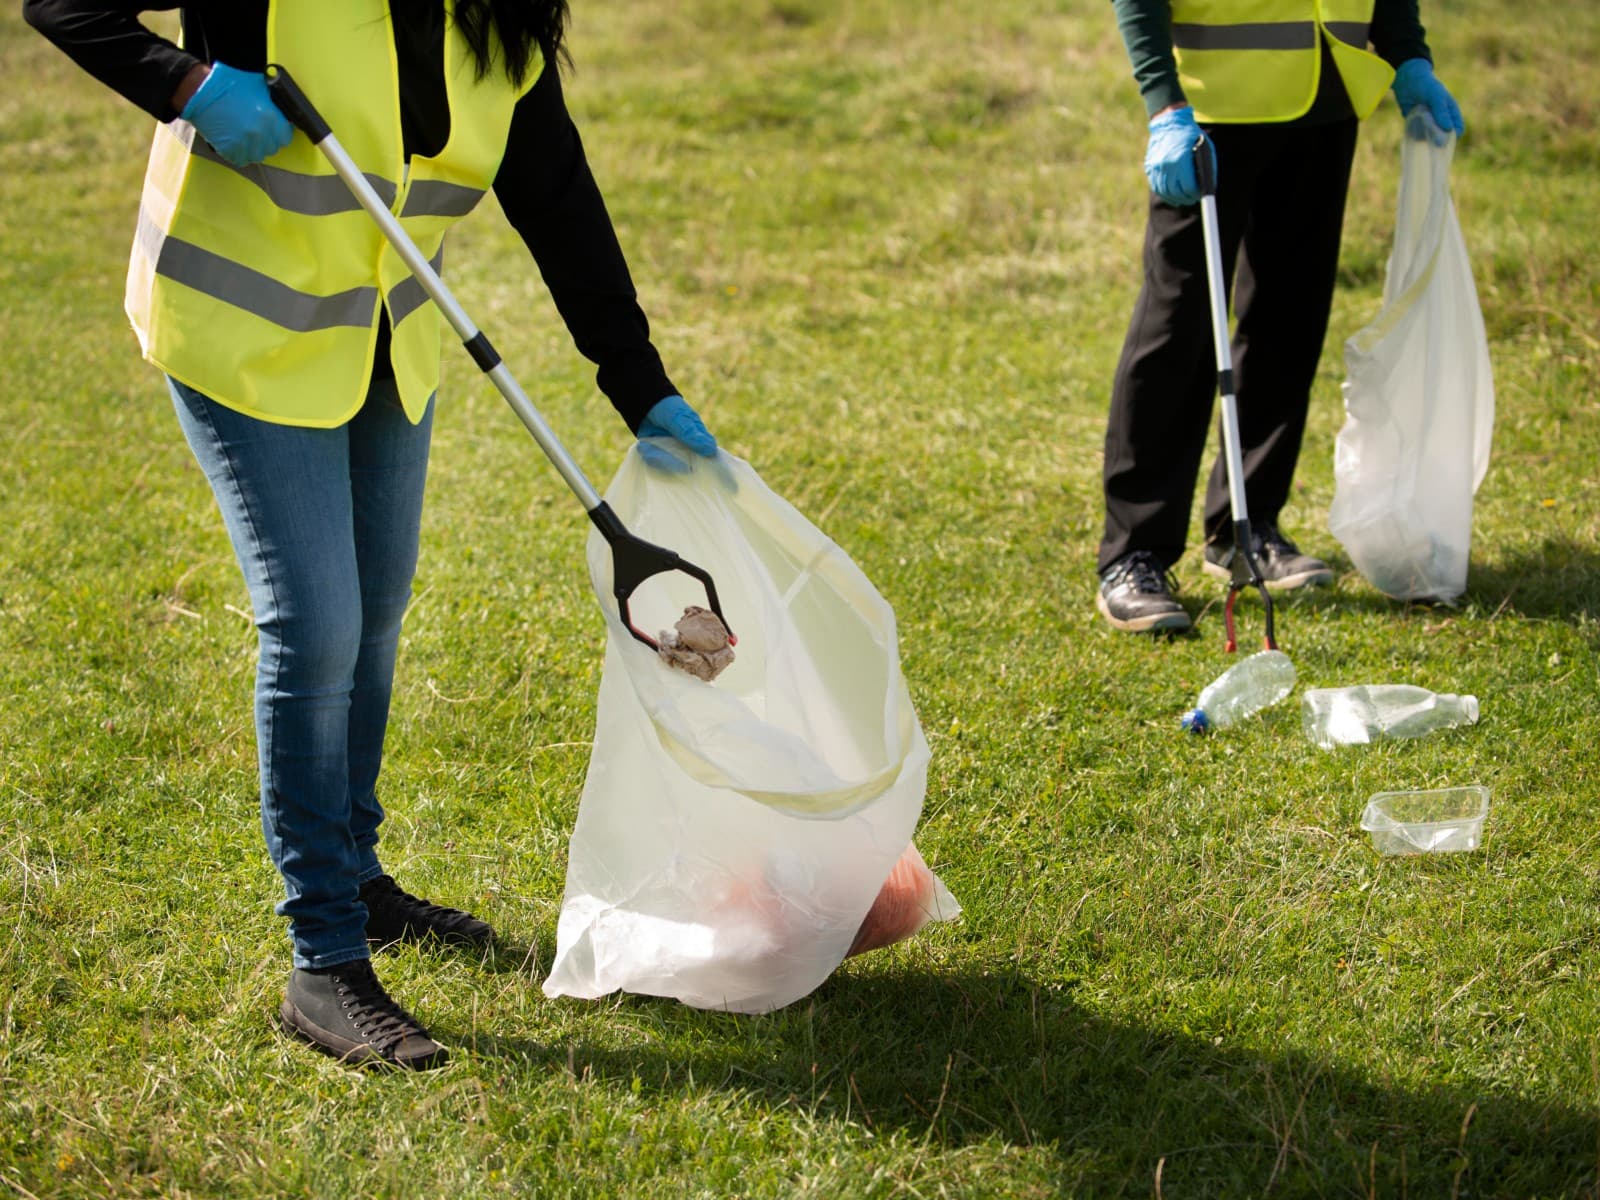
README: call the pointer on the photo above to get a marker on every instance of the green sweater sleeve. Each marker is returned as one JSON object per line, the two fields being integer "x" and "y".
{"x": 1146, "y": 28}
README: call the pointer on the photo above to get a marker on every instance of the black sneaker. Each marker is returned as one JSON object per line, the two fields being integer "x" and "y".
{"x": 395, "y": 915}
{"x": 1136, "y": 595}
{"x": 1282, "y": 566}
{"x": 344, "y": 1011}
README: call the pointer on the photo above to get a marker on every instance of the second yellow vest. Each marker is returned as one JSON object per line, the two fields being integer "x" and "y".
{"x": 1249, "y": 61}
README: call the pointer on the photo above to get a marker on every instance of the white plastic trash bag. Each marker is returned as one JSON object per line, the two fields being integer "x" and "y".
{"x": 732, "y": 836}
{"x": 1419, "y": 401}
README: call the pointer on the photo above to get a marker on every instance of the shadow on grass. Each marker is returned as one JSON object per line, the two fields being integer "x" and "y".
{"x": 995, "y": 1057}
{"x": 1559, "y": 579}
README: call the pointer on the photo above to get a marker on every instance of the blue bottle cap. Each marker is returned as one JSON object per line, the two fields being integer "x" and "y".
{"x": 1195, "y": 720}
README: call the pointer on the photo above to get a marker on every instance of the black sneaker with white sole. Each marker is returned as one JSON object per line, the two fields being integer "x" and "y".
{"x": 395, "y": 915}
{"x": 1282, "y": 566}
{"x": 1136, "y": 596}
{"x": 344, "y": 1011}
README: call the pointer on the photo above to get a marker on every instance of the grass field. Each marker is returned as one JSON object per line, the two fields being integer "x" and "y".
{"x": 888, "y": 249}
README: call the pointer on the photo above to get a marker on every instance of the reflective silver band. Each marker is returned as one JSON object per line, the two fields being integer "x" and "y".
{"x": 1351, "y": 33}
{"x": 250, "y": 290}
{"x": 409, "y": 295}
{"x": 438, "y": 198}
{"x": 308, "y": 195}
{"x": 1255, "y": 35}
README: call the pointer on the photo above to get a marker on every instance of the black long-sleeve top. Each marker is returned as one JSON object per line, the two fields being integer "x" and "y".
{"x": 544, "y": 184}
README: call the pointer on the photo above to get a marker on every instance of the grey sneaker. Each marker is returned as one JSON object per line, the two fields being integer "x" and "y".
{"x": 1282, "y": 566}
{"x": 344, "y": 1011}
{"x": 1136, "y": 596}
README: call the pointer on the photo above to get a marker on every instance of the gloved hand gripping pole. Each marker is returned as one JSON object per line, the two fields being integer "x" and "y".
{"x": 633, "y": 560}
{"x": 1246, "y": 572}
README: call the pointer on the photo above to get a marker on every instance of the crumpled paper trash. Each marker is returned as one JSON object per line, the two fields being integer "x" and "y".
{"x": 698, "y": 644}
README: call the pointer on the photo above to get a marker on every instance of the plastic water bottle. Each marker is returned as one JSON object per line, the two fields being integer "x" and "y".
{"x": 1244, "y": 688}
{"x": 1354, "y": 716}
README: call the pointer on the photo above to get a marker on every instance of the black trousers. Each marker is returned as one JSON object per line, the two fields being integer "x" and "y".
{"x": 1280, "y": 208}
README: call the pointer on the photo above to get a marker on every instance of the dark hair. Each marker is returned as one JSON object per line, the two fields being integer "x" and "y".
{"x": 516, "y": 27}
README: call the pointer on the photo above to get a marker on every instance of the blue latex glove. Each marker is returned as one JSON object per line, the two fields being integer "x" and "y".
{"x": 672, "y": 417}
{"x": 1416, "y": 85}
{"x": 1169, "y": 158}
{"x": 233, "y": 112}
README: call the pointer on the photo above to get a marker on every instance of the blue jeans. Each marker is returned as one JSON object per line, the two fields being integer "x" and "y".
{"x": 325, "y": 526}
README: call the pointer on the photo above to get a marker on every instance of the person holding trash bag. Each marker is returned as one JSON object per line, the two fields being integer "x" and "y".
{"x": 1278, "y": 87}
{"x": 303, "y": 360}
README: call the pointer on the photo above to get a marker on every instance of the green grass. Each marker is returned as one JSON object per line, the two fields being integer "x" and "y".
{"x": 888, "y": 249}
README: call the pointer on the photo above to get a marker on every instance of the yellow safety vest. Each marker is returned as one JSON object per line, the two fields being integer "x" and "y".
{"x": 261, "y": 287}
{"x": 1247, "y": 61}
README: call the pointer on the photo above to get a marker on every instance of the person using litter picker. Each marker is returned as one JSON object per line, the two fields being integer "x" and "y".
{"x": 303, "y": 360}
{"x": 1279, "y": 87}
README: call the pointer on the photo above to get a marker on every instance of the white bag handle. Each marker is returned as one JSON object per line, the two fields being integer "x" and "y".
{"x": 772, "y": 729}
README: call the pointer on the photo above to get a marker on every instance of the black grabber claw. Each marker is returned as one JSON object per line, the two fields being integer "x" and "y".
{"x": 1246, "y": 574}
{"x": 633, "y": 560}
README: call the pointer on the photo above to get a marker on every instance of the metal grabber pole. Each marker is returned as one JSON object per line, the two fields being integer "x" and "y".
{"x": 1246, "y": 572}
{"x": 633, "y": 559}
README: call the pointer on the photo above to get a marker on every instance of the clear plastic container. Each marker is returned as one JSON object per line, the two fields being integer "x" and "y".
{"x": 1433, "y": 821}
{"x": 1248, "y": 686}
{"x": 1354, "y": 716}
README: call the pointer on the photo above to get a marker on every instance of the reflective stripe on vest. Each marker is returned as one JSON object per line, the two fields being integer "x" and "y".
{"x": 322, "y": 195}
{"x": 1268, "y": 70}
{"x": 263, "y": 287}
{"x": 1265, "y": 35}
{"x": 261, "y": 295}
{"x": 239, "y": 286}
{"x": 311, "y": 195}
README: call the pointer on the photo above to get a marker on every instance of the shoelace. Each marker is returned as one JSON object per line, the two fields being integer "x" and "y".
{"x": 376, "y": 1017}
{"x": 1146, "y": 576}
{"x": 414, "y": 910}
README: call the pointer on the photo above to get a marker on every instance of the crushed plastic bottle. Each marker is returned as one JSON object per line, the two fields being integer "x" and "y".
{"x": 1354, "y": 716}
{"x": 1246, "y": 687}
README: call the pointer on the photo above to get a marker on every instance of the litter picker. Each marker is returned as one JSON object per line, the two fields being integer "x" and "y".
{"x": 633, "y": 559}
{"x": 1246, "y": 573}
